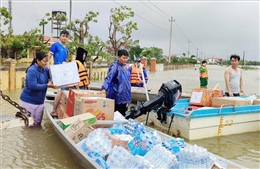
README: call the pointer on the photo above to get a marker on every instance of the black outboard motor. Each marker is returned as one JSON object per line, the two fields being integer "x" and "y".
{"x": 168, "y": 95}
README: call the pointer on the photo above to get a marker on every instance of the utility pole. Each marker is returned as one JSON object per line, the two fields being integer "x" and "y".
{"x": 197, "y": 53}
{"x": 189, "y": 48}
{"x": 43, "y": 21}
{"x": 10, "y": 11}
{"x": 70, "y": 14}
{"x": 243, "y": 59}
{"x": 169, "y": 59}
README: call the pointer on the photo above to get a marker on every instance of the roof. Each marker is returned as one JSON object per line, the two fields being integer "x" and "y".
{"x": 49, "y": 39}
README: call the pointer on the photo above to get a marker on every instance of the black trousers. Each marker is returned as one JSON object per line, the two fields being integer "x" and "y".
{"x": 234, "y": 94}
{"x": 121, "y": 108}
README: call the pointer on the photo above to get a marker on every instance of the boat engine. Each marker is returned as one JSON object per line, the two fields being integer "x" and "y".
{"x": 168, "y": 95}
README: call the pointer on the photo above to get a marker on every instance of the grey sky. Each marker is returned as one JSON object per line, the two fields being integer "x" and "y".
{"x": 215, "y": 28}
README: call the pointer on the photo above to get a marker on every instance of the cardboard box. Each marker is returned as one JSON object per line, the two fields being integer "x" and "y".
{"x": 256, "y": 101}
{"x": 236, "y": 101}
{"x": 73, "y": 93}
{"x": 87, "y": 118}
{"x": 64, "y": 97}
{"x": 65, "y": 74}
{"x": 203, "y": 97}
{"x": 78, "y": 130}
{"x": 61, "y": 111}
{"x": 120, "y": 140}
{"x": 102, "y": 108}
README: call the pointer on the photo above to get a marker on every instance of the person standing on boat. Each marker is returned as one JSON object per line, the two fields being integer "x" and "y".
{"x": 138, "y": 73}
{"x": 36, "y": 84}
{"x": 233, "y": 78}
{"x": 59, "y": 50}
{"x": 117, "y": 82}
{"x": 203, "y": 72}
{"x": 83, "y": 76}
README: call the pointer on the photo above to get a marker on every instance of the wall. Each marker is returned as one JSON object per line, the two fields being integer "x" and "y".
{"x": 4, "y": 78}
{"x": 98, "y": 73}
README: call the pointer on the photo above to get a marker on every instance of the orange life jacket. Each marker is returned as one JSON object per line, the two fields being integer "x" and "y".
{"x": 82, "y": 75}
{"x": 203, "y": 74}
{"x": 135, "y": 73}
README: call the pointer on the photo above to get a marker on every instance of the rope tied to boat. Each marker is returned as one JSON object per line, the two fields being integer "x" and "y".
{"x": 23, "y": 113}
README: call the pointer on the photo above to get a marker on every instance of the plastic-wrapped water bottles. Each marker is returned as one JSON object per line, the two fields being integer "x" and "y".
{"x": 139, "y": 162}
{"x": 97, "y": 141}
{"x": 194, "y": 157}
{"x": 133, "y": 127}
{"x": 119, "y": 158}
{"x": 143, "y": 142}
{"x": 174, "y": 145}
{"x": 117, "y": 129}
{"x": 160, "y": 157}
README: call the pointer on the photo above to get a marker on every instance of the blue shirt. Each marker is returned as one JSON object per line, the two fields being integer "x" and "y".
{"x": 60, "y": 52}
{"x": 35, "y": 88}
{"x": 117, "y": 83}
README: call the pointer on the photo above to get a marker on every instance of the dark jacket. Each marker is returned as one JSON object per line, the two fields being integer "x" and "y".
{"x": 117, "y": 83}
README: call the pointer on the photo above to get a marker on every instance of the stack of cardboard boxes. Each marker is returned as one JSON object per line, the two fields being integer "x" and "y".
{"x": 203, "y": 97}
{"x": 214, "y": 98}
{"x": 78, "y": 109}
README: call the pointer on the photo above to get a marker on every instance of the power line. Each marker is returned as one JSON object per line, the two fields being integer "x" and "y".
{"x": 177, "y": 26}
{"x": 143, "y": 18}
{"x": 153, "y": 10}
{"x": 159, "y": 8}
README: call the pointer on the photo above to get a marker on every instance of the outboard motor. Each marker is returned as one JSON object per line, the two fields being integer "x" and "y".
{"x": 168, "y": 95}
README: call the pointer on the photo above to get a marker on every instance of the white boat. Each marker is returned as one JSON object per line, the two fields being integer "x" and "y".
{"x": 86, "y": 162}
{"x": 208, "y": 121}
{"x": 137, "y": 93}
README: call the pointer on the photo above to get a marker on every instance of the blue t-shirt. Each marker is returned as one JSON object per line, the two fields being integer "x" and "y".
{"x": 60, "y": 52}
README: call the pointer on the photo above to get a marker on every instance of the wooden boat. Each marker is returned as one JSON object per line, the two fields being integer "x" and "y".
{"x": 86, "y": 162}
{"x": 208, "y": 121}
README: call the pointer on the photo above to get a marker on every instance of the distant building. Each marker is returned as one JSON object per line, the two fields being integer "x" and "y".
{"x": 214, "y": 60}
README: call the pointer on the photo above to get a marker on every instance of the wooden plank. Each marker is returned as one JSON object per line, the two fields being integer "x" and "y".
{"x": 18, "y": 122}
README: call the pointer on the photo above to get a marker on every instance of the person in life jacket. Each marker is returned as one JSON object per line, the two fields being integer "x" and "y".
{"x": 136, "y": 73}
{"x": 203, "y": 73}
{"x": 80, "y": 60}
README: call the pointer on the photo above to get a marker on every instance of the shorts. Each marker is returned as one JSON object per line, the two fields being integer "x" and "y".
{"x": 203, "y": 82}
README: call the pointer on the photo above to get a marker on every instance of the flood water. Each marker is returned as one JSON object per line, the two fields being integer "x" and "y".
{"x": 41, "y": 148}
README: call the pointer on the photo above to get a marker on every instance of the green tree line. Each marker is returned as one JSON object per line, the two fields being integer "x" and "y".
{"x": 120, "y": 30}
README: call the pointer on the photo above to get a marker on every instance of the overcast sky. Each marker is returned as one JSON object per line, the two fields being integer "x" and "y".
{"x": 207, "y": 28}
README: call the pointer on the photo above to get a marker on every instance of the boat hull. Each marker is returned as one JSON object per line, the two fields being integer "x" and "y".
{"x": 79, "y": 156}
{"x": 210, "y": 123}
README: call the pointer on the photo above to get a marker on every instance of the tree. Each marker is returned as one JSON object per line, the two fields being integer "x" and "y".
{"x": 153, "y": 52}
{"x": 135, "y": 51}
{"x": 6, "y": 17}
{"x": 80, "y": 28}
{"x": 119, "y": 26}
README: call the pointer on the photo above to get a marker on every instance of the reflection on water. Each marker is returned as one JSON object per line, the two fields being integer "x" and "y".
{"x": 31, "y": 147}
{"x": 241, "y": 148}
